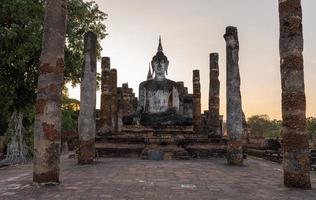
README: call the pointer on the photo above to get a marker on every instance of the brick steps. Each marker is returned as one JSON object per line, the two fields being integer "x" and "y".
{"x": 202, "y": 150}
{"x": 119, "y": 150}
{"x": 159, "y": 145}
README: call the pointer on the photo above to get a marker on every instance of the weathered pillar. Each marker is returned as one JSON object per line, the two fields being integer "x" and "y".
{"x": 47, "y": 127}
{"x": 86, "y": 121}
{"x": 180, "y": 85}
{"x": 296, "y": 163}
{"x": 234, "y": 111}
{"x": 213, "y": 102}
{"x": 196, "y": 102}
{"x": 124, "y": 103}
{"x": 106, "y": 96}
{"x": 127, "y": 94}
{"x": 185, "y": 90}
{"x": 114, "y": 103}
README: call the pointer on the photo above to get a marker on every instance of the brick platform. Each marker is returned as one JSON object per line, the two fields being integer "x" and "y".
{"x": 159, "y": 143}
{"x": 125, "y": 178}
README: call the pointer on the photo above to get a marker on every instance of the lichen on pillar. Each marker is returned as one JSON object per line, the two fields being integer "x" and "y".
{"x": 214, "y": 89}
{"x": 106, "y": 96}
{"x": 296, "y": 163}
{"x": 87, "y": 121}
{"x": 234, "y": 110}
{"x": 47, "y": 127}
{"x": 197, "y": 118}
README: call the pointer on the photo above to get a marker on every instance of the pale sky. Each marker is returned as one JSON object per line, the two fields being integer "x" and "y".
{"x": 190, "y": 30}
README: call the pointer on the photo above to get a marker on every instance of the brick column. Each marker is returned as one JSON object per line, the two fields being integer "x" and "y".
{"x": 47, "y": 127}
{"x": 114, "y": 103}
{"x": 106, "y": 96}
{"x": 296, "y": 163}
{"x": 234, "y": 111}
{"x": 180, "y": 85}
{"x": 196, "y": 102}
{"x": 213, "y": 102}
{"x": 86, "y": 121}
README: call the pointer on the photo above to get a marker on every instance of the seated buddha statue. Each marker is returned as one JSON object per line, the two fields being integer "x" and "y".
{"x": 158, "y": 94}
{"x": 159, "y": 101}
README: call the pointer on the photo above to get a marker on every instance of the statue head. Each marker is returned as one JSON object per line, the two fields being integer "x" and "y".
{"x": 160, "y": 63}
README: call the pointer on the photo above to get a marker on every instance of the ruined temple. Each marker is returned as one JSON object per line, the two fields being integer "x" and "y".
{"x": 163, "y": 123}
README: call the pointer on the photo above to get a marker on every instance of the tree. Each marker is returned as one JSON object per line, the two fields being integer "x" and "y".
{"x": 276, "y": 129}
{"x": 262, "y": 126}
{"x": 311, "y": 127}
{"x": 70, "y": 111}
{"x": 21, "y": 30}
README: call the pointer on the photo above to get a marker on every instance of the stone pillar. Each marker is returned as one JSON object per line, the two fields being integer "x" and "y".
{"x": 196, "y": 102}
{"x": 185, "y": 90}
{"x": 296, "y": 163}
{"x": 120, "y": 108}
{"x": 213, "y": 102}
{"x": 188, "y": 105}
{"x": 47, "y": 127}
{"x": 180, "y": 85}
{"x": 234, "y": 110}
{"x": 86, "y": 121}
{"x": 106, "y": 96}
{"x": 114, "y": 103}
{"x": 127, "y": 96}
{"x": 125, "y": 103}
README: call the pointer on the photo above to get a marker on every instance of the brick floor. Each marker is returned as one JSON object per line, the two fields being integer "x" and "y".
{"x": 118, "y": 178}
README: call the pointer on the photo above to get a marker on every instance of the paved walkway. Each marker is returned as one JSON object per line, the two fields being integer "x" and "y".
{"x": 118, "y": 178}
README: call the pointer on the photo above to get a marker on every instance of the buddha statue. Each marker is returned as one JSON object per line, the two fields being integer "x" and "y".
{"x": 158, "y": 94}
{"x": 159, "y": 100}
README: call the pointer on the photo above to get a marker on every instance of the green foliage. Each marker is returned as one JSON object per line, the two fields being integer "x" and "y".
{"x": 275, "y": 129}
{"x": 21, "y": 30}
{"x": 28, "y": 123}
{"x": 311, "y": 127}
{"x": 70, "y": 112}
{"x": 82, "y": 17}
{"x": 20, "y": 44}
{"x": 262, "y": 126}
{"x": 68, "y": 121}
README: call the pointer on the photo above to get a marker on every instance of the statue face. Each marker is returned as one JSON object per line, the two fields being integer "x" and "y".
{"x": 160, "y": 67}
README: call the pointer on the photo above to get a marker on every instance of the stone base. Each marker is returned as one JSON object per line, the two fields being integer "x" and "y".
{"x": 211, "y": 150}
{"x": 169, "y": 152}
{"x": 119, "y": 150}
{"x": 86, "y": 152}
{"x": 159, "y": 143}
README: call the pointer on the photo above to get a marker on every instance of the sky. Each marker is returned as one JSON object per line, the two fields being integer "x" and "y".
{"x": 191, "y": 30}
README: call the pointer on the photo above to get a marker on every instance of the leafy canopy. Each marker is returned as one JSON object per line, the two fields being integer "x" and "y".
{"x": 21, "y": 30}
{"x": 262, "y": 126}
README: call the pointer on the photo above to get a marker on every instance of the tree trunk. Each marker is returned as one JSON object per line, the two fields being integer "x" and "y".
{"x": 296, "y": 163}
{"x": 47, "y": 131}
{"x": 16, "y": 148}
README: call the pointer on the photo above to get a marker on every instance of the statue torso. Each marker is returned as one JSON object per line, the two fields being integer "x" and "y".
{"x": 158, "y": 95}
